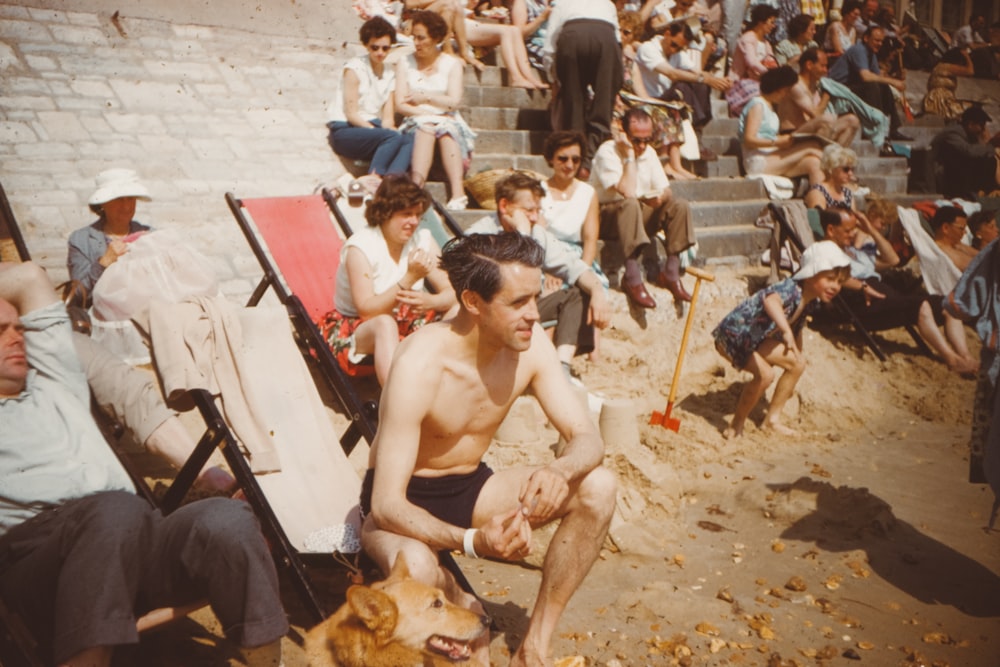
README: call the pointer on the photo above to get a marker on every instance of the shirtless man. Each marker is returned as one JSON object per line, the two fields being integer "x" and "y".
{"x": 804, "y": 109}
{"x": 949, "y": 224}
{"x": 450, "y": 386}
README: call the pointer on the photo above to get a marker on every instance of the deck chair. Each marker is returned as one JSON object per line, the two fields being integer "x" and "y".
{"x": 798, "y": 240}
{"x": 298, "y": 247}
{"x": 12, "y": 246}
{"x": 437, "y": 220}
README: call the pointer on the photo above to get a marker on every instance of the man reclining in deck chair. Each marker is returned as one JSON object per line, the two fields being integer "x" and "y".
{"x": 878, "y": 306}
{"x": 81, "y": 555}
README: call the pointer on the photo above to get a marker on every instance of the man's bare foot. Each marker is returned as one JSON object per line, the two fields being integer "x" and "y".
{"x": 526, "y": 658}
{"x": 963, "y": 365}
{"x": 778, "y": 427}
{"x": 731, "y": 433}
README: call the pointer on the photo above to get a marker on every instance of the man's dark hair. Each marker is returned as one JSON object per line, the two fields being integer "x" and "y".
{"x": 376, "y": 27}
{"x": 810, "y": 55}
{"x": 760, "y": 14}
{"x": 977, "y": 220}
{"x": 953, "y": 57}
{"x": 871, "y": 32}
{"x": 944, "y": 215}
{"x": 829, "y": 217}
{"x": 775, "y": 79}
{"x": 561, "y": 139}
{"x": 635, "y": 114}
{"x": 798, "y": 25}
{"x": 437, "y": 29}
{"x": 681, "y": 29}
{"x": 508, "y": 186}
{"x": 473, "y": 262}
{"x": 395, "y": 193}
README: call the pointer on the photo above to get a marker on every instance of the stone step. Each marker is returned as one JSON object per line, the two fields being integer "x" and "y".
{"x": 718, "y": 189}
{"x": 485, "y": 161}
{"x": 495, "y": 96}
{"x": 727, "y": 166}
{"x": 506, "y": 118}
{"x": 890, "y": 186}
{"x": 519, "y": 142}
{"x": 714, "y": 213}
{"x": 728, "y": 241}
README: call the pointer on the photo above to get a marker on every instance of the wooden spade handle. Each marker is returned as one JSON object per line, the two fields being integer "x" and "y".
{"x": 700, "y": 273}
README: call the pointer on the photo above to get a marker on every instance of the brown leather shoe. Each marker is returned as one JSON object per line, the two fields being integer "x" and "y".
{"x": 638, "y": 295}
{"x": 675, "y": 287}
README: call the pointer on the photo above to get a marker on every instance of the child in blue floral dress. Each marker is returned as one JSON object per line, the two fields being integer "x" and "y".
{"x": 765, "y": 331}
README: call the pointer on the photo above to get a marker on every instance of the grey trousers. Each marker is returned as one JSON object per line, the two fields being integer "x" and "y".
{"x": 81, "y": 573}
{"x": 634, "y": 222}
{"x": 568, "y": 307}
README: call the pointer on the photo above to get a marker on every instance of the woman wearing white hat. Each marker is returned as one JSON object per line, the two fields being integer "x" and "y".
{"x": 765, "y": 331}
{"x": 99, "y": 245}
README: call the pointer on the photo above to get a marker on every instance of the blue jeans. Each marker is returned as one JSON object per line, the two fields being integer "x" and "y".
{"x": 388, "y": 151}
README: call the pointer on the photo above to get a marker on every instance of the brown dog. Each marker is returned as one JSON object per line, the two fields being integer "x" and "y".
{"x": 398, "y": 622}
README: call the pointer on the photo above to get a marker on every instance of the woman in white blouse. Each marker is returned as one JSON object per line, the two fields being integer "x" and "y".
{"x": 362, "y": 116}
{"x": 428, "y": 94}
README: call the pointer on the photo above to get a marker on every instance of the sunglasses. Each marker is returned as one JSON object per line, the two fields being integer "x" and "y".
{"x": 376, "y": 47}
{"x": 848, "y": 168}
{"x": 640, "y": 140}
{"x": 575, "y": 159}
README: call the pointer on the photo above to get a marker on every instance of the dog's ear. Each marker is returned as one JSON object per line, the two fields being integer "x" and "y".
{"x": 400, "y": 570}
{"x": 375, "y": 609}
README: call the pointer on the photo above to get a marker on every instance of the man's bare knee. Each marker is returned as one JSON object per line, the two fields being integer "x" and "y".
{"x": 422, "y": 563}
{"x": 597, "y": 492}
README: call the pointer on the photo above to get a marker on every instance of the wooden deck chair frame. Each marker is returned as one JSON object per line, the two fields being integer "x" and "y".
{"x": 364, "y": 415}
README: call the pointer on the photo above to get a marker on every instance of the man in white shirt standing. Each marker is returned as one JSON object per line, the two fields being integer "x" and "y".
{"x": 636, "y": 200}
{"x": 583, "y": 48}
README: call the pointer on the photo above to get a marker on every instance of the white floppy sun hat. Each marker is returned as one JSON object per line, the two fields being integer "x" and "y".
{"x": 118, "y": 182}
{"x": 821, "y": 256}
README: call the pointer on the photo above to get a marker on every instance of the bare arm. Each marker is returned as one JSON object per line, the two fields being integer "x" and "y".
{"x": 362, "y": 283}
{"x": 600, "y": 313}
{"x": 869, "y": 76}
{"x": 548, "y": 487}
{"x": 628, "y": 184}
{"x": 776, "y": 311}
{"x": 751, "y": 131}
{"x": 26, "y": 286}
{"x": 394, "y": 453}
{"x": 351, "y": 86}
{"x": 590, "y": 231}
{"x": 411, "y": 103}
{"x": 887, "y": 256}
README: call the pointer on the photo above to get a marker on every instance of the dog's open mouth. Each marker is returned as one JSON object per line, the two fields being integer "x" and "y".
{"x": 453, "y": 649}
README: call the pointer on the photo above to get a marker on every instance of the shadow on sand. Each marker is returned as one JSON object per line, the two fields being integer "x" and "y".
{"x": 848, "y": 518}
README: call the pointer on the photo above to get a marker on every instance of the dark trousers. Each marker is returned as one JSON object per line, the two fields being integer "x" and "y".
{"x": 698, "y": 96}
{"x": 588, "y": 55}
{"x": 79, "y": 574}
{"x": 879, "y": 95}
{"x": 568, "y": 307}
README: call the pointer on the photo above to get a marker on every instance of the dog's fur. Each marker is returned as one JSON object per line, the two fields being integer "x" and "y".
{"x": 398, "y": 622}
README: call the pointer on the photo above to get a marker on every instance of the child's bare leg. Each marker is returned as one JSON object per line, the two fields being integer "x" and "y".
{"x": 793, "y": 367}
{"x": 763, "y": 376}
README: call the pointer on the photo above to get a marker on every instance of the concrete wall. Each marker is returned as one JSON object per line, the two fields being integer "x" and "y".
{"x": 199, "y": 106}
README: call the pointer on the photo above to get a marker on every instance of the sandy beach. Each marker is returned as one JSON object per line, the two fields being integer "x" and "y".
{"x": 858, "y": 541}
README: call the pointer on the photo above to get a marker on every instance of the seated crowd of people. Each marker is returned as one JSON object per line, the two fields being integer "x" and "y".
{"x": 632, "y": 90}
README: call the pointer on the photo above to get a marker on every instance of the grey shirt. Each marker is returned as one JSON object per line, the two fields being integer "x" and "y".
{"x": 559, "y": 260}
{"x": 86, "y": 246}
{"x": 51, "y": 451}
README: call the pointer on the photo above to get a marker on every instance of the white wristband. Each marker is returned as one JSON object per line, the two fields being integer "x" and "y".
{"x": 468, "y": 543}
